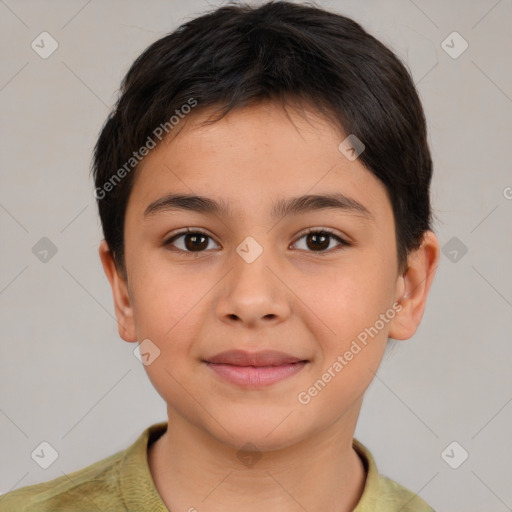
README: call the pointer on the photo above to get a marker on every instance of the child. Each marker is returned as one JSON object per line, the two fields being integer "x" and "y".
{"x": 256, "y": 134}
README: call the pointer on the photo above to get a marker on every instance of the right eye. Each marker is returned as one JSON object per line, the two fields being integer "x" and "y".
{"x": 189, "y": 241}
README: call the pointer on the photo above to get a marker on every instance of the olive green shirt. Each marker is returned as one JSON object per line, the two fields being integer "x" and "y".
{"x": 123, "y": 482}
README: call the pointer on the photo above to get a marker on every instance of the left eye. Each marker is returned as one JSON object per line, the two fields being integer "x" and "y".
{"x": 320, "y": 240}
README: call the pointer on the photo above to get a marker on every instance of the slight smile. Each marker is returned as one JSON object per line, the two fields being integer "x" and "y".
{"x": 256, "y": 369}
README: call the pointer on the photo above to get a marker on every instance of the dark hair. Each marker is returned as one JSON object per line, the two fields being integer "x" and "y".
{"x": 237, "y": 55}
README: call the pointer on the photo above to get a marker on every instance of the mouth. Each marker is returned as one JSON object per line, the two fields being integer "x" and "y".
{"x": 256, "y": 369}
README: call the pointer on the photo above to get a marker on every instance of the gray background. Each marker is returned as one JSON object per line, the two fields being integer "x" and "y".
{"x": 67, "y": 378}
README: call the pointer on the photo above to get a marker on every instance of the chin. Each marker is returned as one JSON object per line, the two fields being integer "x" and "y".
{"x": 266, "y": 432}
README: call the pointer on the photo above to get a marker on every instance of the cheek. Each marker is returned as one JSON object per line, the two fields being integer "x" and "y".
{"x": 167, "y": 308}
{"x": 352, "y": 339}
{"x": 164, "y": 297}
{"x": 349, "y": 299}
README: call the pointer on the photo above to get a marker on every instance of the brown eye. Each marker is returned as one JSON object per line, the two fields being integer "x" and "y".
{"x": 190, "y": 241}
{"x": 196, "y": 242}
{"x": 320, "y": 241}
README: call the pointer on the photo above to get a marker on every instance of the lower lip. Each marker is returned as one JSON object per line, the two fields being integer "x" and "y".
{"x": 256, "y": 376}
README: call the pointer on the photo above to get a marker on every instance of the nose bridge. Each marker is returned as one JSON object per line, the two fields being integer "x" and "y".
{"x": 253, "y": 293}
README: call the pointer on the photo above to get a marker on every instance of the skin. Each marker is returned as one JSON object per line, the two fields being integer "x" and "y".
{"x": 193, "y": 305}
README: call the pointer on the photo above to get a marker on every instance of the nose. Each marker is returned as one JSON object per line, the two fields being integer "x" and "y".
{"x": 253, "y": 294}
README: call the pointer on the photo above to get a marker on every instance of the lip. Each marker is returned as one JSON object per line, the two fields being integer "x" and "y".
{"x": 255, "y": 369}
{"x": 262, "y": 358}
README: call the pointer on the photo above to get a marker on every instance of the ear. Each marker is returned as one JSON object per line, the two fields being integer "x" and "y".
{"x": 413, "y": 287}
{"x": 119, "y": 285}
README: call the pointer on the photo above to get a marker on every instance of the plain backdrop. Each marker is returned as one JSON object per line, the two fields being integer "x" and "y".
{"x": 68, "y": 379}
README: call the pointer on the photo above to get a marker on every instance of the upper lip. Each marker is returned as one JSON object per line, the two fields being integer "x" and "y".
{"x": 262, "y": 358}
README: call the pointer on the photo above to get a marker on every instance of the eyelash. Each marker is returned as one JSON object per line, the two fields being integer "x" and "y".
{"x": 331, "y": 234}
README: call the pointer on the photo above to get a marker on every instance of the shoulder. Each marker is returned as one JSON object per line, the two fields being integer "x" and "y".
{"x": 95, "y": 487}
{"x": 396, "y": 497}
{"x": 118, "y": 483}
{"x": 383, "y": 494}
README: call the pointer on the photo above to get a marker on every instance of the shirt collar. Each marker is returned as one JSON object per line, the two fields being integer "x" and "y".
{"x": 139, "y": 491}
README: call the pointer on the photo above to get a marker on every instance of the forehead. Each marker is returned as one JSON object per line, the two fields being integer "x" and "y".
{"x": 252, "y": 155}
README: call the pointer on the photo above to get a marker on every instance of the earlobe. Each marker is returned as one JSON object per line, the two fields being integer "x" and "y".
{"x": 413, "y": 288}
{"x": 119, "y": 286}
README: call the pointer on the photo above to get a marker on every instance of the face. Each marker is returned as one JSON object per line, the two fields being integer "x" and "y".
{"x": 317, "y": 283}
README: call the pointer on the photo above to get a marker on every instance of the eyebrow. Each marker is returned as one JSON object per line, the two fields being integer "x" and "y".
{"x": 281, "y": 208}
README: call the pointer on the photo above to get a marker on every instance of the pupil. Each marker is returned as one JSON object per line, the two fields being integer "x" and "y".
{"x": 193, "y": 239}
{"x": 315, "y": 238}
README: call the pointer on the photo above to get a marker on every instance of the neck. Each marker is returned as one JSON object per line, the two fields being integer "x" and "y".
{"x": 191, "y": 469}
